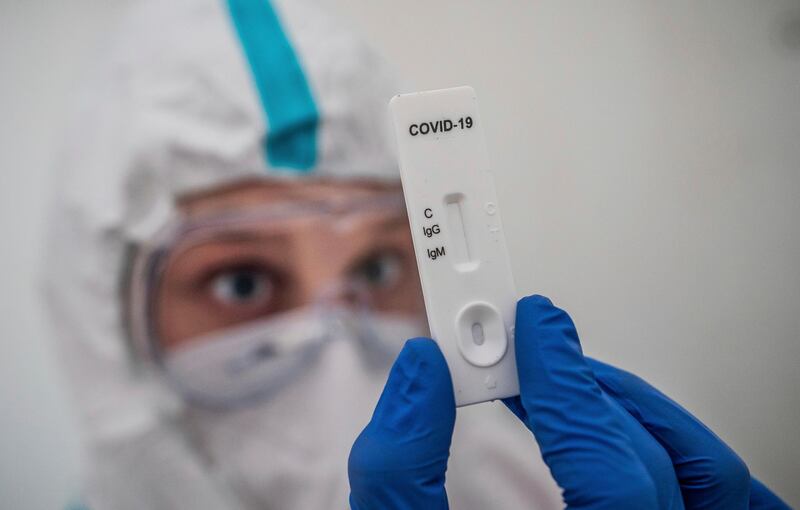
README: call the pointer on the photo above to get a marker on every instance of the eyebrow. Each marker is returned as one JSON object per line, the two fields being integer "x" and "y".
{"x": 394, "y": 221}
{"x": 240, "y": 236}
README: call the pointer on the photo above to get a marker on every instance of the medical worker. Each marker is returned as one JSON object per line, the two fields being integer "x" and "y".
{"x": 231, "y": 276}
{"x": 230, "y": 269}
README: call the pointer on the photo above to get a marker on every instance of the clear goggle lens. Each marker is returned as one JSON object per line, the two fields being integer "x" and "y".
{"x": 235, "y": 305}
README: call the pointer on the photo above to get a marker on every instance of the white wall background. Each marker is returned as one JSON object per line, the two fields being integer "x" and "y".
{"x": 648, "y": 165}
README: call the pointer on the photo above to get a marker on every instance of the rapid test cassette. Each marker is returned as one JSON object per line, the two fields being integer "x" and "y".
{"x": 458, "y": 239}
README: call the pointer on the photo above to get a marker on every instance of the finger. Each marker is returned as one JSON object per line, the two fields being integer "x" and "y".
{"x": 579, "y": 431}
{"x": 761, "y": 498}
{"x": 649, "y": 451}
{"x": 655, "y": 460}
{"x": 710, "y": 473}
{"x": 399, "y": 460}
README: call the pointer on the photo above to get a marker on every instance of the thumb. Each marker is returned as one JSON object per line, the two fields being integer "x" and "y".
{"x": 399, "y": 460}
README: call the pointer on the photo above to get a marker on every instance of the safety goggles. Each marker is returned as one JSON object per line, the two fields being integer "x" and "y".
{"x": 230, "y": 289}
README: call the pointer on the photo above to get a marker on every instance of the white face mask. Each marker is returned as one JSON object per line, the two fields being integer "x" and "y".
{"x": 289, "y": 449}
{"x": 253, "y": 361}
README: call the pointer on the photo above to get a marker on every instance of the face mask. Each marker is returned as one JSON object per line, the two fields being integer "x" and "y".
{"x": 251, "y": 362}
{"x": 289, "y": 450}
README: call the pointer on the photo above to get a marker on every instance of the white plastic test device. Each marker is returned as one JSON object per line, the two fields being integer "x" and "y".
{"x": 458, "y": 239}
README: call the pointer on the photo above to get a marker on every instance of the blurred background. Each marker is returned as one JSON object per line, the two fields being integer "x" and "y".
{"x": 647, "y": 158}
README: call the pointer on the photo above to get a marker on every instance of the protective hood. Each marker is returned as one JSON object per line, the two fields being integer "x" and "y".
{"x": 190, "y": 95}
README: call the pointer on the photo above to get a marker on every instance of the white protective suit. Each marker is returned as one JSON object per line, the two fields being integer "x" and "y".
{"x": 174, "y": 107}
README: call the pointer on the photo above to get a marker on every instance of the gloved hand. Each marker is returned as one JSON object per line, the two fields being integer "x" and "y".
{"x": 611, "y": 441}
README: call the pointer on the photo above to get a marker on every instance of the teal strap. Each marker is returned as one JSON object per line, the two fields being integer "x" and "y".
{"x": 286, "y": 98}
{"x": 76, "y": 505}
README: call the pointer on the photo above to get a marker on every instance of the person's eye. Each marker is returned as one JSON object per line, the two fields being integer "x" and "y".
{"x": 243, "y": 287}
{"x": 380, "y": 270}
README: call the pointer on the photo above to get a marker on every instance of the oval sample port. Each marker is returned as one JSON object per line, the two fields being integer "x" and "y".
{"x": 477, "y": 334}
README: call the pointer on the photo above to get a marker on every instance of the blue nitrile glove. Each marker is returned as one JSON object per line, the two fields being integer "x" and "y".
{"x": 399, "y": 460}
{"x": 610, "y": 440}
